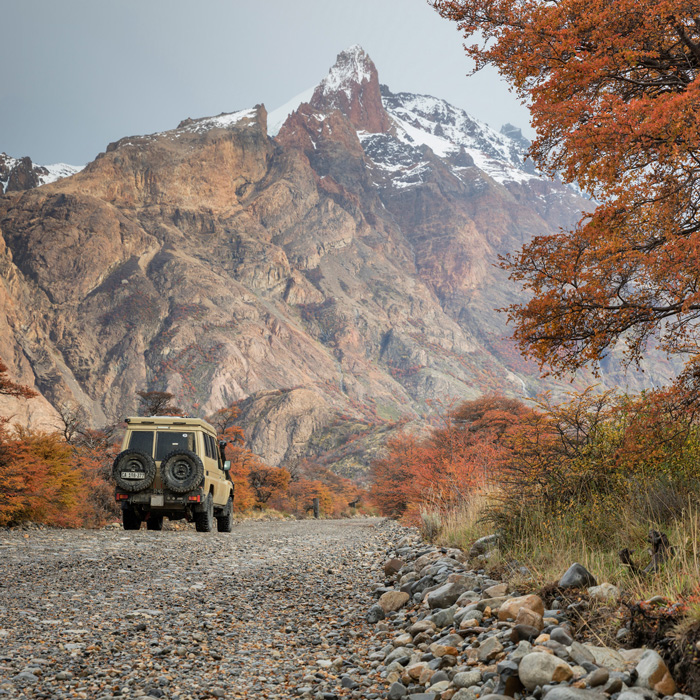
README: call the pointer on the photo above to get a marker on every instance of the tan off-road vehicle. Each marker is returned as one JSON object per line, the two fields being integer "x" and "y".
{"x": 172, "y": 466}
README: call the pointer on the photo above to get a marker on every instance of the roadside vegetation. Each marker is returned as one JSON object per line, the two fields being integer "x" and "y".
{"x": 62, "y": 478}
{"x": 577, "y": 481}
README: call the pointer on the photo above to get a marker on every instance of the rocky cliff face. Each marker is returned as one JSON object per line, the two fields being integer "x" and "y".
{"x": 340, "y": 272}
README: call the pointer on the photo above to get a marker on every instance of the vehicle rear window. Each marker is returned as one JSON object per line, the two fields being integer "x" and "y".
{"x": 169, "y": 441}
{"x": 142, "y": 441}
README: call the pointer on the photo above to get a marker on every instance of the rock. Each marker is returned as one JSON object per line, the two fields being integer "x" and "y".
{"x": 483, "y": 545}
{"x": 374, "y": 614}
{"x": 568, "y": 693}
{"x": 25, "y": 677}
{"x": 561, "y": 636}
{"x": 509, "y": 608}
{"x": 422, "y": 696}
{"x": 524, "y": 632}
{"x": 539, "y": 668}
{"x": 443, "y": 618}
{"x": 396, "y": 691}
{"x": 529, "y": 618}
{"x": 439, "y": 687}
{"x": 497, "y": 591}
{"x": 393, "y": 601}
{"x": 580, "y": 654}
{"x": 393, "y": 566}
{"x": 489, "y": 649}
{"x": 466, "y": 693}
{"x": 398, "y": 653}
{"x": 577, "y": 576}
{"x": 466, "y": 679}
{"x": 422, "y": 626}
{"x": 604, "y": 656}
{"x": 598, "y": 677}
{"x": 604, "y": 593}
{"x": 653, "y": 673}
{"x": 523, "y": 649}
{"x": 447, "y": 595}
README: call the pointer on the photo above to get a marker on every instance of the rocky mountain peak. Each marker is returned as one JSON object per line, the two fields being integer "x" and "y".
{"x": 352, "y": 86}
{"x": 19, "y": 174}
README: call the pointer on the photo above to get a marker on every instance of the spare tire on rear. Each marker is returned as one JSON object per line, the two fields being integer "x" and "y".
{"x": 133, "y": 471}
{"x": 181, "y": 471}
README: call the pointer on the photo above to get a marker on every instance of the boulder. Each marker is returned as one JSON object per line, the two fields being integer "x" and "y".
{"x": 577, "y": 576}
{"x": 483, "y": 545}
{"x": 604, "y": 593}
{"x": 609, "y": 658}
{"x": 466, "y": 679}
{"x": 539, "y": 668}
{"x": 569, "y": 693}
{"x": 654, "y": 674}
{"x": 447, "y": 594}
{"x": 393, "y": 566}
{"x": 509, "y": 608}
{"x": 489, "y": 649}
{"x": 529, "y": 618}
{"x": 374, "y": 614}
{"x": 393, "y": 601}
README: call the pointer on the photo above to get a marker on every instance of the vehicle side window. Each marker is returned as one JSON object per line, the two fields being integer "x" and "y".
{"x": 142, "y": 441}
{"x": 212, "y": 447}
{"x": 207, "y": 445}
{"x": 168, "y": 441}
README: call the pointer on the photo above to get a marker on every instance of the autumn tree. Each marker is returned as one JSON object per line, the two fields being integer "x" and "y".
{"x": 157, "y": 403}
{"x": 10, "y": 388}
{"x": 265, "y": 481}
{"x": 613, "y": 89}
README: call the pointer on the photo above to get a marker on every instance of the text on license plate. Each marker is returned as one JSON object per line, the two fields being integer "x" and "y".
{"x": 133, "y": 475}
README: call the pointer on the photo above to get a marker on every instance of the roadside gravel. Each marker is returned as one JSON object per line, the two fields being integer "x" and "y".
{"x": 272, "y": 610}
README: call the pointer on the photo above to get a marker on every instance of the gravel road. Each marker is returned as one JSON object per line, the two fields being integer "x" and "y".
{"x": 272, "y": 610}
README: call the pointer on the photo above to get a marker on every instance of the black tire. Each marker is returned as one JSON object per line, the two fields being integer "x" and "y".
{"x": 224, "y": 522}
{"x": 204, "y": 520}
{"x": 154, "y": 522}
{"x": 181, "y": 471}
{"x": 131, "y": 519}
{"x": 133, "y": 461}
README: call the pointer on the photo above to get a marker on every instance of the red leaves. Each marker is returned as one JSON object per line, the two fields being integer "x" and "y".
{"x": 614, "y": 90}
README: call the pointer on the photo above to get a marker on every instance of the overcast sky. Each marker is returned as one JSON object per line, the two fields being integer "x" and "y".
{"x": 77, "y": 74}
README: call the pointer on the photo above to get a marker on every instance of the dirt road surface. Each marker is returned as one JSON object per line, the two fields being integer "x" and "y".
{"x": 272, "y": 610}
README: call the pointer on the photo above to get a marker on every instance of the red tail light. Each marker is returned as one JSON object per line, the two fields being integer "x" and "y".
{"x": 196, "y": 499}
{"x": 122, "y": 496}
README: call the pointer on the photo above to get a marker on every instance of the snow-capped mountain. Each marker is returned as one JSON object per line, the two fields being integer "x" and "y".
{"x": 21, "y": 174}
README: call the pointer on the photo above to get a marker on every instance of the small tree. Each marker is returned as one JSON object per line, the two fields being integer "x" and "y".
{"x": 266, "y": 480}
{"x": 157, "y": 403}
{"x": 10, "y": 388}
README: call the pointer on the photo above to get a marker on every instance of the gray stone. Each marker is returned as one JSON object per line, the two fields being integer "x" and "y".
{"x": 580, "y": 654}
{"x": 443, "y": 618}
{"x": 26, "y": 677}
{"x": 539, "y": 668}
{"x": 483, "y": 545}
{"x": 447, "y": 595}
{"x": 470, "y": 693}
{"x": 396, "y": 654}
{"x": 467, "y": 679}
{"x": 568, "y": 693}
{"x": 599, "y": 677}
{"x": 654, "y": 674}
{"x": 422, "y": 696}
{"x": 489, "y": 649}
{"x": 374, "y": 614}
{"x": 561, "y": 636}
{"x": 577, "y": 576}
{"x": 396, "y": 691}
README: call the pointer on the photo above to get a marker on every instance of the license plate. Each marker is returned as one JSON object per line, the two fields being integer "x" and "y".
{"x": 133, "y": 475}
{"x": 158, "y": 500}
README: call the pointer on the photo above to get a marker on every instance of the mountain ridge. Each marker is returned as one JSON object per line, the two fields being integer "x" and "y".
{"x": 330, "y": 274}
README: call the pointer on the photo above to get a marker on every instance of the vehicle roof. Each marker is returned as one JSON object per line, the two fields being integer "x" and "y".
{"x": 163, "y": 421}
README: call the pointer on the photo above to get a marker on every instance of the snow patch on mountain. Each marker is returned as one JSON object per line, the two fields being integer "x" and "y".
{"x": 278, "y": 117}
{"x": 57, "y": 171}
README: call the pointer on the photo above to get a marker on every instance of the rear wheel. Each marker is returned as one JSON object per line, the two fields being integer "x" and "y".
{"x": 155, "y": 522}
{"x": 133, "y": 471}
{"x": 204, "y": 520}
{"x": 224, "y": 522}
{"x": 131, "y": 519}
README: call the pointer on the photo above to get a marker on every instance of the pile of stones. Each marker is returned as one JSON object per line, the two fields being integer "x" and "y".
{"x": 446, "y": 631}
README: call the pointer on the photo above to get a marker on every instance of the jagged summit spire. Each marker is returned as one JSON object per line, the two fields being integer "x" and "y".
{"x": 352, "y": 86}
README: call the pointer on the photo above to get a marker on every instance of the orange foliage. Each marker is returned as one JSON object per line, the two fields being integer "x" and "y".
{"x": 613, "y": 89}
{"x": 452, "y": 461}
{"x": 38, "y": 480}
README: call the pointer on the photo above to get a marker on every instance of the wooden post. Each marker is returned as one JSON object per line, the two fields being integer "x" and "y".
{"x": 316, "y": 508}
